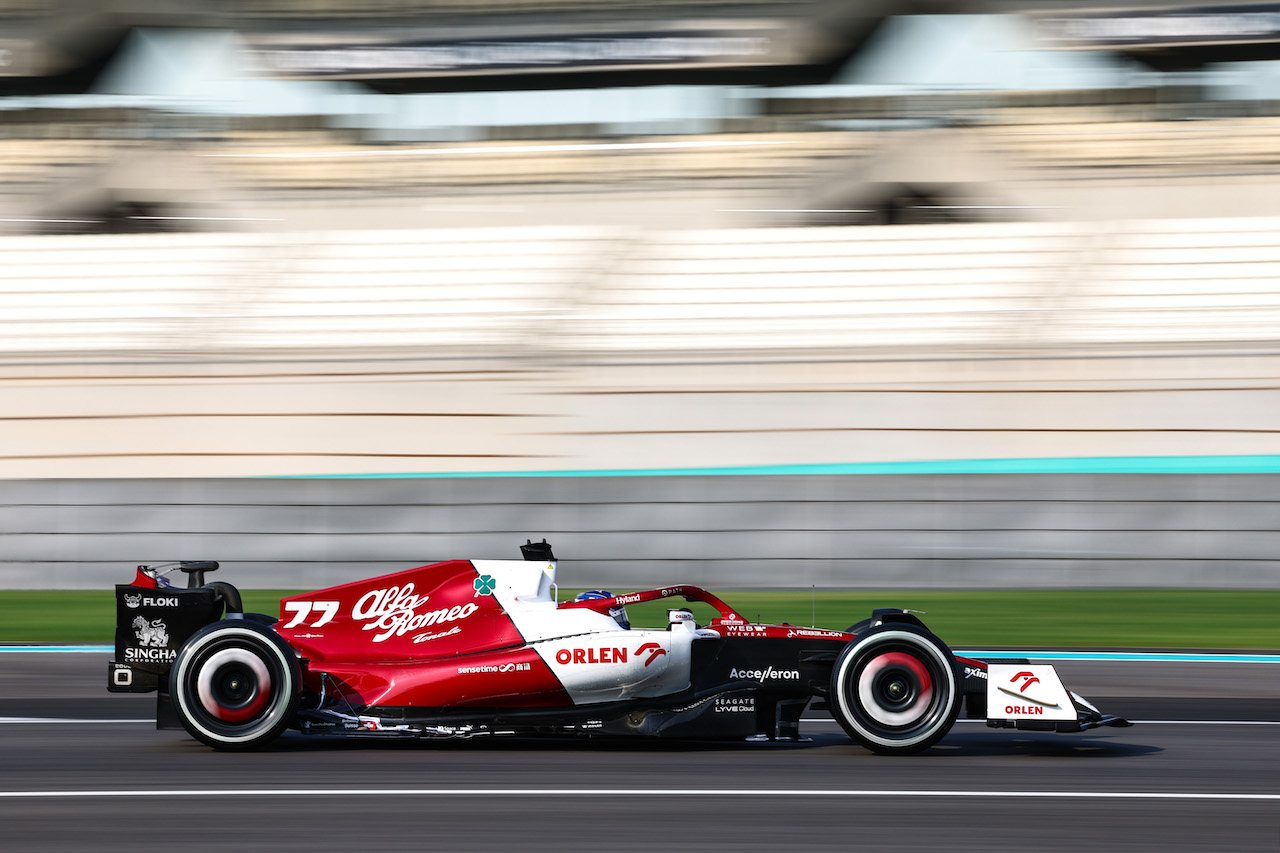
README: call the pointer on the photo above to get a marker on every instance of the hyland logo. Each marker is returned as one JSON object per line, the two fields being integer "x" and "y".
{"x": 1037, "y": 706}
{"x": 484, "y": 585}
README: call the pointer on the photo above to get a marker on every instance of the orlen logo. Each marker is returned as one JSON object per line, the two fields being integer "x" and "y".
{"x": 605, "y": 655}
{"x": 394, "y": 611}
{"x": 655, "y": 651}
{"x": 1027, "y": 679}
{"x": 608, "y": 654}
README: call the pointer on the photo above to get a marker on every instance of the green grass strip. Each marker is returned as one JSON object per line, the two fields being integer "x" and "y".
{"x": 1213, "y": 619}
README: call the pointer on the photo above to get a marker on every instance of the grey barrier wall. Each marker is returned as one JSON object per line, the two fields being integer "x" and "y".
{"x": 723, "y": 532}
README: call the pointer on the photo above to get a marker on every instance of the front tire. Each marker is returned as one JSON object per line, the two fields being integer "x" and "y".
{"x": 235, "y": 685}
{"x": 894, "y": 689}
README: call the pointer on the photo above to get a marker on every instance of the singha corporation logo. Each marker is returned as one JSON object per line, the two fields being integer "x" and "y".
{"x": 152, "y": 633}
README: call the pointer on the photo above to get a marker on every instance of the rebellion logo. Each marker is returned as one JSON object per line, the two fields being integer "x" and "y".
{"x": 813, "y": 632}
{"x": 394, "y": 612}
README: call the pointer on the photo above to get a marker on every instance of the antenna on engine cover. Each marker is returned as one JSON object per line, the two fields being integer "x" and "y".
{"x": 537, "y": 552}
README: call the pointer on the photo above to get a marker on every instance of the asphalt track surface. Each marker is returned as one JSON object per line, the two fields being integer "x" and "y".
{"x": 1201, "y": 771}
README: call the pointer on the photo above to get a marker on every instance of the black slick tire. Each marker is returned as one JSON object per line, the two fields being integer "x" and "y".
{"x": 894, "y": 689}
{"x": 235, "y": 685}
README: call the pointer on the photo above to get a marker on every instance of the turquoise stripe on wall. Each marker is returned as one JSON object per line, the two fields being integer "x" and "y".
{"x": 1055, "y": 465}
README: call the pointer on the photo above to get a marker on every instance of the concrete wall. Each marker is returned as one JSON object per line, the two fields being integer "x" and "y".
{"x": 727, "y": 532}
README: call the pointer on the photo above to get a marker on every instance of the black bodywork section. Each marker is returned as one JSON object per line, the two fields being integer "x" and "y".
{"x": 153, "y": 624}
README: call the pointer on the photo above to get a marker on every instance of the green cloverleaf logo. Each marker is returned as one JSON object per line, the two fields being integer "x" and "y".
{"x": 484, "y": 585}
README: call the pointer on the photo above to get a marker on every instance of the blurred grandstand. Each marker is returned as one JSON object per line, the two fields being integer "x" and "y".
{"x": 659, "y": 182}
{"x": 279, "y": 114}
{"x": 514, "y": 245}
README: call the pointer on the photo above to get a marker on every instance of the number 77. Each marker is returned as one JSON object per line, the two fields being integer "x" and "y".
{"x": 302, "y": 609}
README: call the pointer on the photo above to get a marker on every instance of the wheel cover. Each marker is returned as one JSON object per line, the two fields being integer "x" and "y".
{"x": 234, "y": 685}
{"x": 895, "y": 689}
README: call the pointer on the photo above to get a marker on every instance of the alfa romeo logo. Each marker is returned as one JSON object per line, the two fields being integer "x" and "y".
{"x": 484, "y": 585}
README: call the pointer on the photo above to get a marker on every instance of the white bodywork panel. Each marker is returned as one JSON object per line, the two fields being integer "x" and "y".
{"x": 526, "y": 591}
{"x": 1027, "y": 692}
{"x": 593, "y": 657}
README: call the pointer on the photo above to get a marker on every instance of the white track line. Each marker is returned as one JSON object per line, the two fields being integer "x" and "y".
{"x": 104, "y": 720}
{"x": 1207, "y": 722}
{"x": 64, "y": 720}
{"x": 634, "y": 792}
{"x": 1135, "y": 722}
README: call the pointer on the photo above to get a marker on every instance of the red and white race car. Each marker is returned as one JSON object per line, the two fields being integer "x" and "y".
{"x": 482, "y": 647}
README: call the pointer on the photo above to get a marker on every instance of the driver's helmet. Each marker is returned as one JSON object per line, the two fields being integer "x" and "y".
{"x": 619, "y": 613}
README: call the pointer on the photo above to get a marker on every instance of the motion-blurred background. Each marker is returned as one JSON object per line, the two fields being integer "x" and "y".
{"x": 834, "y": 293}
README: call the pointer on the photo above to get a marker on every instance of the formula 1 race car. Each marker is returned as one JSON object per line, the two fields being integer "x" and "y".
{"x": 469, "y": 648}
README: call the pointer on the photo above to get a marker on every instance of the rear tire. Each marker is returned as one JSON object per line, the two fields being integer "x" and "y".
{"x": 894, "y": 689}
{"x": 235, "y": 685}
